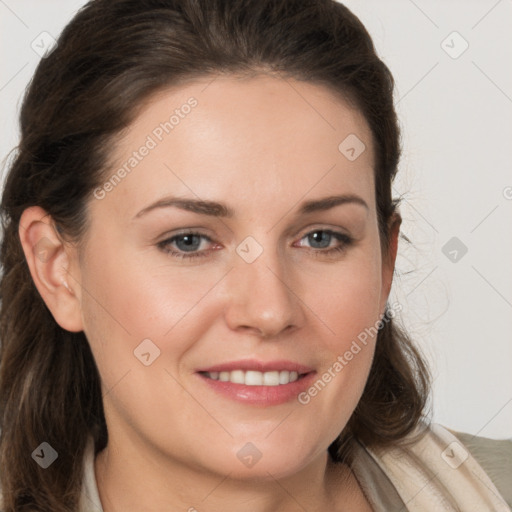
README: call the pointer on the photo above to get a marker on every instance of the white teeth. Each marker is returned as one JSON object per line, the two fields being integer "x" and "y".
{"x": 284, "y": 377}
{"x": 254, "y": 378}
{"x": 237, "y": 377}
{"x": 271, "y": 378}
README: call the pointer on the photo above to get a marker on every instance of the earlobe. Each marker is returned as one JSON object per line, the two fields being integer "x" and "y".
{"x": 388, "y": 263}
{"x": 394, "y": 233}
{"x": 50, "y": 260}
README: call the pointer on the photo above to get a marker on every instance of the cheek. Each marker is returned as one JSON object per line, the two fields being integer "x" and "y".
{"x": 139, "y": 297}
{"x": 348, "y": 306}
{"x": 347, "y": 300}
{"x": 127, "y": 302}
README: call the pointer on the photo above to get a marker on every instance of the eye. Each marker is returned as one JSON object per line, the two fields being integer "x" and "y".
{"x": 186, "y": 243}
{"x": 321, "y": 240}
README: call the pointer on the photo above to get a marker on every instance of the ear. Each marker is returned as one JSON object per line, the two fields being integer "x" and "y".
{"x": 51, "y": 262}
{"x": 388, "y": 263}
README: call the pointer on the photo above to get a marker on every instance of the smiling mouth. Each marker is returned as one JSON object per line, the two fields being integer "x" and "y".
{"x": 255, "y": 378}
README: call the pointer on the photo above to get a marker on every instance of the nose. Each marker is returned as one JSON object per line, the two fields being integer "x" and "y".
{"x": 262, "y": 298}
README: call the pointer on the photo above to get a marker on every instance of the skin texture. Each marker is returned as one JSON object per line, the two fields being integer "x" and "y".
{"x": 262, "y": 146}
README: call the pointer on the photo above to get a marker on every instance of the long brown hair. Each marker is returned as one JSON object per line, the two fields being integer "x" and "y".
{"x": 110, "y": 59}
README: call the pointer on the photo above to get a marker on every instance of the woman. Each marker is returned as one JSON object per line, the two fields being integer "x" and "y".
{"x": 260, "y": 364}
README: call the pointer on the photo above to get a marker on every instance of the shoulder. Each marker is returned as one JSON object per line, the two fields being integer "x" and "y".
{"x": 495, "y": 458}
{"x": 435, "y": 467}
{"x": 487, "y": 463}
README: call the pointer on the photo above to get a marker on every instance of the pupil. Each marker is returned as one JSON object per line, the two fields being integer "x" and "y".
{"x": 324, "y": 235}
{"x": 190, "y": 242}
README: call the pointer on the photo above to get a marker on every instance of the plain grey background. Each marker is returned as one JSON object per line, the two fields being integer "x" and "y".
{"x": 451, "y": 63}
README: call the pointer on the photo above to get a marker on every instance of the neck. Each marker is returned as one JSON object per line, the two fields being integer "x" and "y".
{"x": 130, "y": 479}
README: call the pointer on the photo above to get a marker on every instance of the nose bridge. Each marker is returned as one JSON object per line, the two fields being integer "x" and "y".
{"x": 261, "y": 295}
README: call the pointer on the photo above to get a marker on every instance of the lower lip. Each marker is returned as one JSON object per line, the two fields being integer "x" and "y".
{"x": 260, "y": 395}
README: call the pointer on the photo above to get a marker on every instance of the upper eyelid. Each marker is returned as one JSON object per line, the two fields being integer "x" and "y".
{"x": 304, "y": 231}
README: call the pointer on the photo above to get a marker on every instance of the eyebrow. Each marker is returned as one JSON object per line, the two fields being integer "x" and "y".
{"x": 216, "y": 209}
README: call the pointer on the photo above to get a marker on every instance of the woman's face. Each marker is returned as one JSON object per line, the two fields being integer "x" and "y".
{"x": 214, "y": 272}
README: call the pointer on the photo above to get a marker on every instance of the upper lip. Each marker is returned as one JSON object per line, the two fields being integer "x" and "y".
{"x": 259, "y": 366}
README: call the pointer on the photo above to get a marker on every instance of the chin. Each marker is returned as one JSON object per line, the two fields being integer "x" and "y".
{"x": 264, "y": 463}
{"x": 267, "y": 470}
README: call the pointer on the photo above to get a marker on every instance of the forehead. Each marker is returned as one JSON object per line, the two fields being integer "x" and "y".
{"x": 254, "y": 139}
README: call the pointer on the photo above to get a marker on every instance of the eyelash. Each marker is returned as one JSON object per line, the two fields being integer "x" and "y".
{"x": 345, "y": 240}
